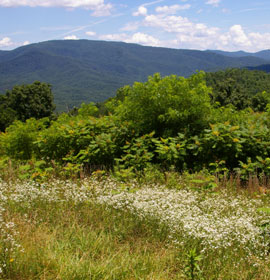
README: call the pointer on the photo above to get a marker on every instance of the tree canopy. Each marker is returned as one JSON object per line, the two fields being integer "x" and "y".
{"x": 240, "y": 87}
{"x": 166, "y": 105}
{"x": 26, "y": 101}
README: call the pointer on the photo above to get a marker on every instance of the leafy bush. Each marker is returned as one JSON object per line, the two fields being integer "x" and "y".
{"x": 166, "y": 105}
{"x": 166, "y": 122}
{"x": 171, "y": 151}
{"x": 18, "y": 142}
{"x": 138, "y": 153}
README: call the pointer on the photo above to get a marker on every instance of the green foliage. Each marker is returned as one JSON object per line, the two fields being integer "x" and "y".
{"x": 202, "y": 181}
{"x": 171, "y": 151}
{"x": 192, "y": 268}
{"x": 31, "y": 101}
{"x": 247, "y": 136}
{"x": 100, "y": 151}
{"x": 240, "y": 87}
{"x": 87, "y": 110}
{"x": 260, "y": 166}
{"x": 222, "y": 142}
{"x": 25, "y": 102}
{"x": 7, "y": 115}
{"x": 165, "y": 122}
{"x": 38, "y": 170}
{"x": 137, "y": 155}
{"x": 18, "y": 140}
{"x": 166, "y": 105}
{"x": 219, "y": 168}
{"x": 260, "y": 100}
{"x": 83, "y": 139}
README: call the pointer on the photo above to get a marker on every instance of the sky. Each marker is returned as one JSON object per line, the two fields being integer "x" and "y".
{"x": 229, "y": 25}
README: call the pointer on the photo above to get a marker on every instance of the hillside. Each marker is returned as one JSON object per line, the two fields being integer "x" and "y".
{"x": 264, "y": 67}
{"x": 84, "y": 71}
{"x": 262, "y": 54}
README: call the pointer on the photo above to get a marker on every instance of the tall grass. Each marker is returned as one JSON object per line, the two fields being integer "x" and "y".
{"x": 103, "y": 229}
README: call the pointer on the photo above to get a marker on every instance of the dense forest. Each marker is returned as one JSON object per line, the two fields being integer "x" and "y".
{"x": 219, "y": 121}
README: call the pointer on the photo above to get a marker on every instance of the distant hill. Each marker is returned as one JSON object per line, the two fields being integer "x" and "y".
{"x": 231, "y": 54}
{"x": 84, "y": 71}
{"x": 262, "y": 54}
{"x": 264, "y": 67}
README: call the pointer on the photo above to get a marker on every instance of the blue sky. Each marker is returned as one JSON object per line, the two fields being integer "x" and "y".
{"x": 229, "y": 25}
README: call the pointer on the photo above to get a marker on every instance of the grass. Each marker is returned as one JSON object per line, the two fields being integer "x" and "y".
{"x": 107, "y": 230}
{"x": 87, "y": 241}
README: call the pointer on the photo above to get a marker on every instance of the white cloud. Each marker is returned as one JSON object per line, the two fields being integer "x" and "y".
{"x": 238, "y": 36}
{"x": 200, "y": 36}
{"x": 137, "y": 38}
{"x": 260, "y": 41}
{"x": 98, "y": 6}
{"x": 144, "y": 39}
{"x": 90, "y": 33}
{"x": 71, "y": 37}
{"x": 26, "y": 43}
{"x": 214, "y": 3}
{"x": 188, "y": 34}
{"x": 120, "y": 37}
{"x": 102, "y": 10}
{"x": 178, "y": 24}
{"x": 172, "y": 9}
{"x": 5, "y": 42}
{"x": 52, "y": 3}
{"x": 130, "y": 26}
{"x": 142, "y": 11}
{"x": 181, "y": 32}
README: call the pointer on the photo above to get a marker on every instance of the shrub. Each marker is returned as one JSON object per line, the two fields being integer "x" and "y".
{"x": 166, "y": 105}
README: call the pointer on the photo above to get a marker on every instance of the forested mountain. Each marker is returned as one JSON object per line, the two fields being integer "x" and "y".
{"x": 264, "y": 67}
{"x": 262, "y": 54}
{"x": 232, "y": 54}
{"x": 84, "y": 71}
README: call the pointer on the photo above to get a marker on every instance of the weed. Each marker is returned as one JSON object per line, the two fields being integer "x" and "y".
{"x": 192, "y": 268}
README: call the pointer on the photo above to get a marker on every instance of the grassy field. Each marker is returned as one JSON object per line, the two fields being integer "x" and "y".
{"x": 105, "y": 229}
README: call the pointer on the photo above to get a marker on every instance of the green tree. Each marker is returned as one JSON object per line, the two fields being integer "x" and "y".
{"x": 31, "y": 101}
{"x": 260, "y": 100}
{"x": 240, "y": 87}
{"x": 166, "y": 105}
{"x": 7, "y": 115}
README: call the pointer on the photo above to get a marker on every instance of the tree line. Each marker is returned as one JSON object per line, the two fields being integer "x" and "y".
{"x": 168, "y": 122}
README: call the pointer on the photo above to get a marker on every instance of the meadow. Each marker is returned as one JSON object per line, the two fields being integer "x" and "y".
{"x": 102, "y": 228}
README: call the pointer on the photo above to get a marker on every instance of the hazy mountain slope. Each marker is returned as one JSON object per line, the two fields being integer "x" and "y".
{"x": 264, "y": 67}
{"x": 262, "y": 54}
{"x": 231, "y": 54}
{"x": 93, "y": 70}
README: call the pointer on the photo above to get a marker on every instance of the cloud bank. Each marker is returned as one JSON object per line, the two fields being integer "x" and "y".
{"x": 176, "y": 31}
{"x": 98, "y": 7}
{"x": 5, "y": 42}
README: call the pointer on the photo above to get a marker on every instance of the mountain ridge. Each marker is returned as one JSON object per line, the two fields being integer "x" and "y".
{"x": 84, "y": 70}
{"x": 264, "y": 54}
